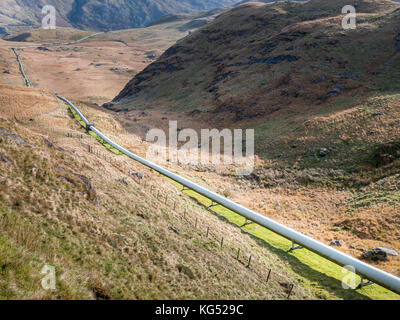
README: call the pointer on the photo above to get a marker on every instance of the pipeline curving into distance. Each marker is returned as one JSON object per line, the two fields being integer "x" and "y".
{"x": 363, "y": 269}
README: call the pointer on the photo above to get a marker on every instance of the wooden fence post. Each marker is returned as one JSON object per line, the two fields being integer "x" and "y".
{"x": 248, "y": 265}
{"x": 290, "y": 290}
{"x": 269, "y": 274}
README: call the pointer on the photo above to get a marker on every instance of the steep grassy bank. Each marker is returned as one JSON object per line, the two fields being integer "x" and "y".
{"x": 326, "y": 276}
{"x": 324, "y": 104}
{"x": 107, "y": 235}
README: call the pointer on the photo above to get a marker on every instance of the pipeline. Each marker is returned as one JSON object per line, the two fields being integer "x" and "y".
{"x": 363, "y": 269}
{"x": 21, "y": 68}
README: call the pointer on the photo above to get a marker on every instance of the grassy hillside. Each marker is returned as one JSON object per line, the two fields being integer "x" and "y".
{"x": 324, "y": 103}
{"x": 112, "y": 236}
{"x": 167, "y": 30}
{"x": 281, "y": 67}
{"x": 59, "y": 35}
{"x": 284, "y": 55}
{"x": 188, "y": 16}
{"x": 108, "y": 239}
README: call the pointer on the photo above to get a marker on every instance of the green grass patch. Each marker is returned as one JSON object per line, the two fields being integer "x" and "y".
{"x": 323, "y": 275}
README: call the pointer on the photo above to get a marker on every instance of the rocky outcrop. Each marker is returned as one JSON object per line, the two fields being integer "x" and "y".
{"x": 379, "y": 254}
{"x": 374, "y": 255}
{"x": 90, "y": 190}
{"x": 235, "y": 64}
{"x": 3, "y": 158}
{"x": 398, "y": 42}
{"x": 13, "y": 137}
{"x": 389, "y": 252}
{"x": 386, "y": 153}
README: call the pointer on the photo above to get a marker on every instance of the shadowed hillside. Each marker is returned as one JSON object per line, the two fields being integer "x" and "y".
{"x": 260, "y": 64}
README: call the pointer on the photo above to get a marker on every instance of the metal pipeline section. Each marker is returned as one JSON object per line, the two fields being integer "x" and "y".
{"x": 21, "y": 68}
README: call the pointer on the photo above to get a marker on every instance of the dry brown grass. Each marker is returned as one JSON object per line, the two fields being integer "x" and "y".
{"x": 8, "y": 63}
{"x": 124, "y": 246}
{"x": 324, "y": 213}
{"x": 301, "y": 190}
{"x": 21, "y": 104}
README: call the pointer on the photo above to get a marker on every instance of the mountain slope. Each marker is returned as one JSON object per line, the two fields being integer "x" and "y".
{"x": 324, "y": 103}
{"x": 102, "y": 14}
{"x": 109, "y": 235}
{"x": 260, "y": 40}
{"x": 260, "y": 62}
{"x": 112, "y": 236}
{"x": 29, "y": 12}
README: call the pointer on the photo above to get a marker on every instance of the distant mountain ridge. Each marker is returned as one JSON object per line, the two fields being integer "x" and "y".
{"x": 101, "y": 14}
{"x": 264, "y": 34}
{"x": 259, "y": 65}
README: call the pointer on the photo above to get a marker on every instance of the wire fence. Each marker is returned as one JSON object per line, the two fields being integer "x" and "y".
{"x": 247, "y": 259}
{"x": 238, "y": 253}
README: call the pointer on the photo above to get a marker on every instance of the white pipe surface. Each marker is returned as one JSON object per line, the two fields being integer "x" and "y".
{"x": 21, "y": 68}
